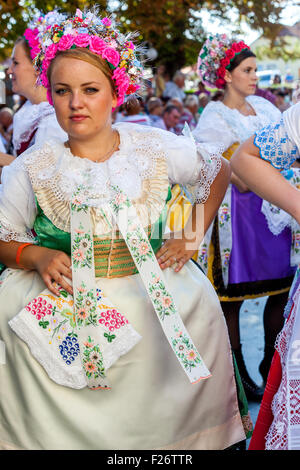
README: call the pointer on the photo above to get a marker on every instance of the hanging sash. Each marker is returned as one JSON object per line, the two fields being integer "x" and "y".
{"x": 90, "y": 334}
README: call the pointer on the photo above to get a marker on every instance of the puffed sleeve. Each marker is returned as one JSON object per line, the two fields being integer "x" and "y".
{"x": 213, "y": 128}
{"x": 192, "y": 164}
{"x": 279, "y": 143}
{"x": 17, "y": 204}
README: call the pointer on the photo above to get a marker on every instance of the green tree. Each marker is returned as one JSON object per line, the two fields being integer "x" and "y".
{"x": 172, "y": 27}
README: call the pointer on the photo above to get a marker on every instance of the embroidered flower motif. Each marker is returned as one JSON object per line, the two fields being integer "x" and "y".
{"x": 93, "y": 360}
{"x": 185, "y": 350}
{"x": 161, "y": 298}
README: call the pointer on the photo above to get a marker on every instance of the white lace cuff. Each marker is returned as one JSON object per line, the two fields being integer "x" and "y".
{"x": 9, "y": 233}
{"x": 275, "y": 146}
{"x": 209, "y": 165}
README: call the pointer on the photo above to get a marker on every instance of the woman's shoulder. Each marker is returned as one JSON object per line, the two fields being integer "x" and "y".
{"x": 262, "y": 105}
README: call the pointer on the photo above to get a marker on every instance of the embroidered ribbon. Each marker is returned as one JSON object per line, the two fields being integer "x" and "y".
{"x": 94, "y": 335}
{"x": 155, "y": 284}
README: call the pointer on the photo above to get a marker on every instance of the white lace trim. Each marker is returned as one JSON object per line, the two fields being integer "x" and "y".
{"x": 276, "y": 218}
{"x": 209, "y": 167}
{"x": 27, "y": 119}
{"x": 10, "y": 233}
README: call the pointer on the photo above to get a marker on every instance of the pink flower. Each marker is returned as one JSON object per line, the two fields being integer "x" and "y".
{"x": 166, "y": 301}
{"x": 34, "y": 52}
{"x": 49, "y": 96}
{"x": 90, "y": 367}
{"x": 106, "y": 21}
{"x": 78, "y": 255}
{"x": 44, "y": 79}
{"x": 97, "y": 45}
{"x": 82, "y": 40}
{"x": 66, "y": 42}
{"x": 51, "y": 52}
{"x": 143, "y": 248}
{"x": 191, "y": 355}
{"x": 111, "y": 55}
{"x": 82, "y": 313}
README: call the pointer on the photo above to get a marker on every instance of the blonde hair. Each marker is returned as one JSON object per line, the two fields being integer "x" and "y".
{"x": 89, "y": 57}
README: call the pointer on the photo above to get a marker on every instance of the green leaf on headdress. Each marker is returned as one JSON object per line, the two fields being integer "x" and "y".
{"x": 73, "y": 46}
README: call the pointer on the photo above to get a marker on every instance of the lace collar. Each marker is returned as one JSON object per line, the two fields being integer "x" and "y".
{"x": 55, "y": 167}
{"x": 27, "y": 119}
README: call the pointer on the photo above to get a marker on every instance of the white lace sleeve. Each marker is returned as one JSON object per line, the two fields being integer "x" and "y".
{"x": 213, "y": 128}
{"x": 17, "y": 205}
{"x": 192, "y": 164}
{"x": 49, "y": 129}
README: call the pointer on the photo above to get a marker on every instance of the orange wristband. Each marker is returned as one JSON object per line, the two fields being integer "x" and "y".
{"x": 19, "y": 252}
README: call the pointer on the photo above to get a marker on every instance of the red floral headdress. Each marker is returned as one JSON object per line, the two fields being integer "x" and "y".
{"x": 215, "y": 58}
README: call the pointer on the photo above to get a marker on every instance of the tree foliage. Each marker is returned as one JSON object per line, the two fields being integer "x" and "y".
{"x": 172, "y": 27}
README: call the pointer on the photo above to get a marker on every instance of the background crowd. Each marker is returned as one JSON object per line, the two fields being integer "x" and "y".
{"x": 164, "y": 103}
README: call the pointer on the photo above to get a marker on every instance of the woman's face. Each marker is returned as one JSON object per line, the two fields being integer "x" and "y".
{"x": 82, "y": 97}
{"x": 243, "y": 78}
{"x": 22, "y": 72}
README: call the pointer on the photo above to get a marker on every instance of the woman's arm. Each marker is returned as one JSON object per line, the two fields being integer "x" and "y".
{"x": 183, "y": 244}
{"x": 265, "y": 180}
{"x": 52, "y": 265}
{"x": 6, "y": 159}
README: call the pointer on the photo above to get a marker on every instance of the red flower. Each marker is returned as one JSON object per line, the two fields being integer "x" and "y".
{"x": 230, "y": 53}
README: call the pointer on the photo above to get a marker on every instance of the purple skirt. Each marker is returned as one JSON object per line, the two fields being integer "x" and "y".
{"x": 257, "y": 254}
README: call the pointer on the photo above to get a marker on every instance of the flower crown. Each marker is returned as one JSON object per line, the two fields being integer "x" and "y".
{"x": 37, "y": 28}
{"x": 99, "y": 35}
{"x": 215, "y": 58}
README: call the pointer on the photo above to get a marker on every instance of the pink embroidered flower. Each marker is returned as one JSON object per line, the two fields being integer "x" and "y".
{"x": 143, "y": 248}
{"x": 82, "y": 40}
{"x": 78, "y": 255}
{"x": 87, "y": 344}
{"x": 111, "y": 55}
{"x": 106, "y": 21}
{"x": 191, "y": 355}
{"x": 90, "y": 366}
{"x": 166, "y": 301}
{"x": 82, "y": 313}
{"x": 65, "y": 42}
{"x": 97, "y": 45}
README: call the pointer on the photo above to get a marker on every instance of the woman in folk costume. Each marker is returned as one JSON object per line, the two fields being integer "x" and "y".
{"x": 36, "y": 120}
{"x": 258, "y": 162}
{"x": 241, "y": 255}
{"x": 102, "y": 346}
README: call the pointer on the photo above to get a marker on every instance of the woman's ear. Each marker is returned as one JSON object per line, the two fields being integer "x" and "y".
{"x": 228, "y": 77}
{"x": 114, "y": 101}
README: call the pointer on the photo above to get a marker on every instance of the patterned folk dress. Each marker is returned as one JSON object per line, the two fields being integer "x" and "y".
{"x": 151, "y": 403}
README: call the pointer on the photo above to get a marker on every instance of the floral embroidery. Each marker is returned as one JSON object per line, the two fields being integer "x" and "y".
{"x": 163, "y": 302}
{"x": 92, "y": 360}
{"x": 224, "y": 214}
{"x": 78, "y": 200}
{"x": 296, "y": 241}
{"x": 185, "y": 350}
{"x": 203, "y": 256}
{"x": 82, "y": 249}
{"x": 225, "y": 258}
{"x": 120, "y": 201}
{"x": 85, "y": 306}
{"x": 139, "y": 246}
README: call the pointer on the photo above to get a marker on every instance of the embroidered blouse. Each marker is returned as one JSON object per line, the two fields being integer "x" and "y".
{"x": 147, "y": 162}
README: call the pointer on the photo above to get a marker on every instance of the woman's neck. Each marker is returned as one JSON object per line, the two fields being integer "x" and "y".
{"x": 234, "y": 100}
{"x": 96, "y": 148}
{"x": 37, "y": 95}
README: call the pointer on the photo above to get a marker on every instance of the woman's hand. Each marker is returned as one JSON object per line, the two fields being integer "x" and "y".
{"x": 54, "y": 265}
{"x": 175, "y": 252}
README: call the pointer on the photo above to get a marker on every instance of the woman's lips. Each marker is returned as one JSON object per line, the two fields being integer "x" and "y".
{"x": 78, "y": 117}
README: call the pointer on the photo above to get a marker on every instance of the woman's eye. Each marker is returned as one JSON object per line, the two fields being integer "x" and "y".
{"x": 91, "y": 90}
{"x": 60, "y": 91}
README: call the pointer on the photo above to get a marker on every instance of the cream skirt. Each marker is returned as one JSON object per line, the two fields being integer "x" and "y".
{"x": 151, "y": 404}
